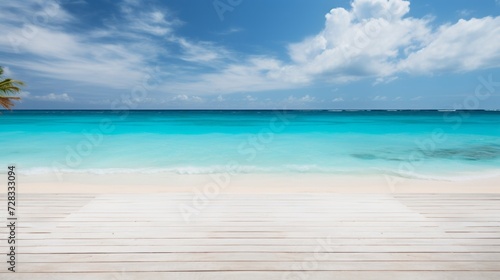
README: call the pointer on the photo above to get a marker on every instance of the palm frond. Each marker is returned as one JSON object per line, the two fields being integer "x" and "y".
{"x": 10, "y": 86}
{"x": 6, "y": 102}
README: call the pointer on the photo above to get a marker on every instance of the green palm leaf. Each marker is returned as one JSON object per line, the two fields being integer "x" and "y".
{"x": 9, "y": 87}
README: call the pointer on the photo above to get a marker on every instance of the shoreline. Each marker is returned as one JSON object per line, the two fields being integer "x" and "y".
{"x": 247, "y": 183}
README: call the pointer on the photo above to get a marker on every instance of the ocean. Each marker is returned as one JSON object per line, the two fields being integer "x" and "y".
{"x": 442, "y": 145}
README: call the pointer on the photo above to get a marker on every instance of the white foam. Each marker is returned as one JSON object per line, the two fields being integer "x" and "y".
{"x": 176, "y": 170}
{"x": 249, "y": 169}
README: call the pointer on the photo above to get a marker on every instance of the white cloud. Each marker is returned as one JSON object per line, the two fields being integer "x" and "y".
{"x": 24, "y": 94}
{"x": 380, "y": 98}
{"x": 375, "y": 39}
{"x": 187, "y": 98}
{"x": 464, "y": 13}
{"x": 304, "y": 99}
{"x": 361, "y": 42}
{"x": 338, "y": 99}
{"x": 307, "y": 98}
{"x": 151, "y": 21}
{"x": 63, "y": 97}
{"x": 50, "y": 51}
{"x": 7, "y": 72}
{"x": 200, "y": 52}
{"x": 230, "y": 31}
{"x": 181, "y": 97}
{"x": 465, "y": 46}
{"x": 116, "y": 56}
{"x": 250, "y": 98}
{"x": 78, "y": 2}
{"x": 36, "y": 13}
{"x": 384, "y": 80}
{"x": 254, "y": 74}
{"x": 197, "y": 99}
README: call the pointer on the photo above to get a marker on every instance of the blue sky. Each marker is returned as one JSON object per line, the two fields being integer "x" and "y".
{"x": 251, "y": 54}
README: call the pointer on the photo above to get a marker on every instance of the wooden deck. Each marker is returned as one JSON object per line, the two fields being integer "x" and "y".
{"x": 243, "y": 236}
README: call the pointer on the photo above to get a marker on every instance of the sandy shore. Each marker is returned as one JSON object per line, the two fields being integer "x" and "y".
{"x": 246, "y": 183}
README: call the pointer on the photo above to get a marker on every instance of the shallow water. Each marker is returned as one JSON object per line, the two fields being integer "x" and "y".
{"x": 423, "y": 144}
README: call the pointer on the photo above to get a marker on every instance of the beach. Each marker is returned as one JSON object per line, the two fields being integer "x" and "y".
{"x": 242, "y": 140}
{"x": 254, "y": 194}
{"x": 249, "y": 183}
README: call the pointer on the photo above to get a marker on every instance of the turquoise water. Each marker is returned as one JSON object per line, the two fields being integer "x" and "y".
{"x": 424, "y": 144}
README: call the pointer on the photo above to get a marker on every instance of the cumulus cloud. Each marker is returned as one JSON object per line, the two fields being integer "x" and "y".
{"x": 362, "y": 41}
{"x": 465, "y": 46}
{"x": 376, "y": 38}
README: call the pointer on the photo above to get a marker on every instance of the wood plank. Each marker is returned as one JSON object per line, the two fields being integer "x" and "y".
{"x": 250, "y": 241}
{"x": 253, "y": 248}
{"x": 354, "y": 223}
{"x": 258, "y": 234}
{"x": 252, "y": 275}
{"x": 261, "y": 266}
{"x": 256, "y": 256}
{"x": 423, "y": 236}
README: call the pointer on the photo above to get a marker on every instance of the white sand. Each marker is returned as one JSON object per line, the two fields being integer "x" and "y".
{"x": 246, "y": 183}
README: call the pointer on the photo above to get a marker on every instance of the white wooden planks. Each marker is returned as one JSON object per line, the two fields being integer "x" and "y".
{"x": 251, "y": 236}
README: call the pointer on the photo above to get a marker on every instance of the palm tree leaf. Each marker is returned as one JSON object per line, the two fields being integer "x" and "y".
{"x": 9, "y": 86}
{"x": 6, "y": 102}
